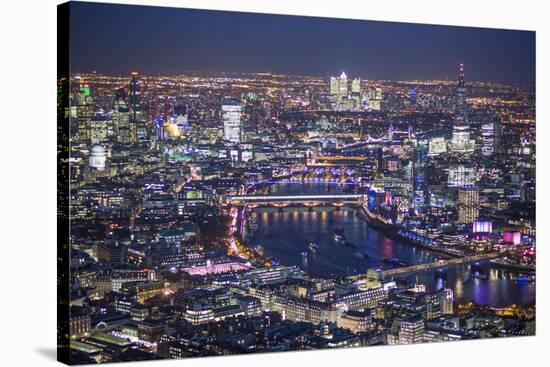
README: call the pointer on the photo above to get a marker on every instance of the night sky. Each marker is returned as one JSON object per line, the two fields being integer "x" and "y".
{"x": 117, "y": 39}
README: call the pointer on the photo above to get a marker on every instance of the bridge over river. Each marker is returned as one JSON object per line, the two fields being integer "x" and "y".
{"x": 440, "y": 264}
{"x": 285, "y": 200}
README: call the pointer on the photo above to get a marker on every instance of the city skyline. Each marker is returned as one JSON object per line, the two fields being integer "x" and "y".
{"x": 211, "y": 214}
{"x": 309, "y": 46}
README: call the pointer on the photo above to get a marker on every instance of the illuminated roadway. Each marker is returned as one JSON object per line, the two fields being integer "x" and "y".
{"x": 440, "y": 264}
{"x": 294, "y": 199}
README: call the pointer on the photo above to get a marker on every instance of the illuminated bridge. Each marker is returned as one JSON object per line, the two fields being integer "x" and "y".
{"x": 286, "y": 200}
{"x": 441, "y": 264}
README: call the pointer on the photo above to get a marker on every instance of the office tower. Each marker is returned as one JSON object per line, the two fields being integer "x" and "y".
{"x": 339, "y": 90}
{"x": 497, "y": 137}
{"x": 231, "y": 113}
{"x": 84, "y": 111}
{"x": 134, "y": 95}
{"x": 411, "y": 330}
{"x": 437, "y": 145}
{"x": 460, "y": 142}
{"x": 378, "y": 94}
{"x": 100, "y": 128}
{"x": 356, "y": 93}
{"x": 375, "y": 99}
{"x": 460, "y": 175}
{"x": 468, "y": 204}
{"x": 121, "y": 117}
{"x": 333, "y": 86}
{"x": 343, "y": 85}
{"x": 181, "y": 118}
{"x": 447, "y": 301}
{"x": 356, "y": 85}
{"x": 461, "y": 108}
{"x": 136, "y": 123}
{"x": 488, "y": 138}
{"x": 420, "y": 157}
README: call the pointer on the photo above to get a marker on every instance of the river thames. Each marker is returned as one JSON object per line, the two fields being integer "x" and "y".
{"x": 285, "y": 235}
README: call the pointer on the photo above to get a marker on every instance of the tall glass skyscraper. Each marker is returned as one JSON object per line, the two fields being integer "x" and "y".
{"x": 461, "y": 142}
{"x": 231, "y": 112}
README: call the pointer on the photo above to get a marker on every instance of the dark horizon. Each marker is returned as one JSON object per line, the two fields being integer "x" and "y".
{"x": 117, "y": 39}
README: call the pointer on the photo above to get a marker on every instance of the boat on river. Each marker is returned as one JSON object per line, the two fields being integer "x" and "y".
{"x": 313, "y": 246}
{"x": 339, "y": 237}
{"x": 395, "y": 261}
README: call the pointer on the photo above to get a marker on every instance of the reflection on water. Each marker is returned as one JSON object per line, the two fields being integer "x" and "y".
{"x": 285, "y": 235}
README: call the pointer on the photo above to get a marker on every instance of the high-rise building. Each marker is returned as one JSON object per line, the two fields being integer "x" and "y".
{"x": 378, "y": 94}
{"x": 437, "y": 145}
{"x": 461, "y": 175}
{"x": 460, "y": 142}
{"x": 420, "y": 157}
{"x": 487, "y": 138}
{"x": 231, "y": 112}
{"x": 461, "y": 108}
{"x": 490, "y": 137}
{"x": 182, "y": 118}
{"x": 356, "y": 85}
{"x": 100, "y": 128}
{"x": 339, "y": 90}
{"x": 411, "y": 330}
{"x": 341, "y": 96}
{"x": 376, "y": 98}
{"x": 134, "y": 95}
{"x": 343, "y": 85}
{"x": 447, "y": 301}
{"x": 468, "y": 204}
{"x": 356, "y": 95}
{"x": 84, "y": 111}
{"x": 333, "y": 86}
{"x": 121, "y": 118}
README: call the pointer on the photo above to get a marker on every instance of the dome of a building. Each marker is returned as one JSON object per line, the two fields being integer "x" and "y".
{"x": 98, "y": 150}
{"x": 98, "y": 157}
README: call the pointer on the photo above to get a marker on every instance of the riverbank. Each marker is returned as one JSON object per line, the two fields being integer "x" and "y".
{"x": 389, "y": 231}
{"x": 512, "y": 267}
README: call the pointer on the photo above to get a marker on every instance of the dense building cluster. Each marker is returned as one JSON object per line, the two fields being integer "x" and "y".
{"x": 165, "y": 171}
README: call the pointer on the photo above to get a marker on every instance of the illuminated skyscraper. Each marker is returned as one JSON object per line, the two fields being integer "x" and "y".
{"x": 420, "y": 159}
{"x": 356, "y": 85}
{"x": 134, "y": 95}
{"x": 461, "y": 142}
{"x": 356, "y": 92}
{"x": 333, "y": 86}
{"x": 375, "y": 99}
{"x": 231, "y": 112}
{"x": 487, "y": 138}
{"x": 461, "y": 108}
{"x": 460, "y": 175}
{"x": 468, "y": 205}
{"x": 121, "y": 117}
{"x": 343, "y": 85}
{"x": 490, "y": 137}
{"x": 134, "y": 106}
{"x": 84, "y": 111}
{"x": 99, "y": 128}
